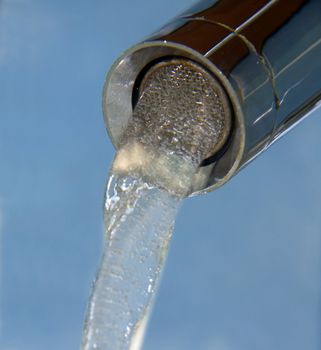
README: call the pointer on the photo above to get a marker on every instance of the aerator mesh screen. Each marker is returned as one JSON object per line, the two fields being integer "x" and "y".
{"x": 182, "y": 109}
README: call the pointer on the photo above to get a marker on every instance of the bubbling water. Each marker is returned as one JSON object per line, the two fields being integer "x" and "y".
{"x": 139, "y": 220}
{"x": 181, "y": 118}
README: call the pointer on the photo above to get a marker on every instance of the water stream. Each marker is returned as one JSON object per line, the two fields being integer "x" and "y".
{"x": 177, "y": 122}
{"x": 139, "y": 220}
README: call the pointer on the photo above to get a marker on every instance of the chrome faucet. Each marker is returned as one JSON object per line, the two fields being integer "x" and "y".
{"x": 265, "y": 56}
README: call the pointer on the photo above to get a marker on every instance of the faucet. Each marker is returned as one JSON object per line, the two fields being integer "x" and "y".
{"x": 264, "y": 58}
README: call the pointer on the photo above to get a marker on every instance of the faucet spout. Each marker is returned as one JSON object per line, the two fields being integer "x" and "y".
{"x": 261, "y": 67}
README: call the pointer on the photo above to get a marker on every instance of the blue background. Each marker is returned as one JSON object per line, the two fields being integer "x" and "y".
{"x": 244, "y": 265}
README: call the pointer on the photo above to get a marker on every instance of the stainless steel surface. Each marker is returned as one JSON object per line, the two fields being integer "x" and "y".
{"x": 267, "y": 56}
